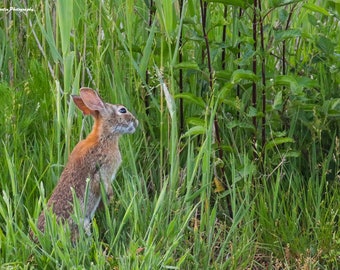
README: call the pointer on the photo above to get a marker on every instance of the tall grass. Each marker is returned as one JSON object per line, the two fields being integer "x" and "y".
{"x": 236, "y": 161}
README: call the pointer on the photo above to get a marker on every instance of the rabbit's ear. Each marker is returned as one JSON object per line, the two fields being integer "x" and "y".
{"x": 92, "y": 100}
{"x": 81, "y": 105}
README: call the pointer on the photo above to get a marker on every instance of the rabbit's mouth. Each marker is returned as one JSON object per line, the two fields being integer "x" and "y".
{"x": 132, "y": 126}
{"x": 129, "y": 128}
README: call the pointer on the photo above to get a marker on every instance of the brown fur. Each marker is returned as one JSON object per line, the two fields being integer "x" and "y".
{"x": 96, "y": 158}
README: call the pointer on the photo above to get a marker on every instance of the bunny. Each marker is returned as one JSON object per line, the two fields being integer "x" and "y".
{"x": 95, "y": 159}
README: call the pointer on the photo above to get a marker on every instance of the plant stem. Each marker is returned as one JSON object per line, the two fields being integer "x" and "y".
{"x": 238, "y": 89}
{"x": 224, "y": 36}
{"x": 263, "y": 71}
{"x": 284, "y": 69}
{"x": 146, "y": 98}
{"x": 204, "y": 6}
{"x": 254, "y": 86}
{"x": 180, "y": 60}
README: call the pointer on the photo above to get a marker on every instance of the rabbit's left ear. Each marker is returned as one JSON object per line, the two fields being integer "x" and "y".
{"x": 92, "y": 100}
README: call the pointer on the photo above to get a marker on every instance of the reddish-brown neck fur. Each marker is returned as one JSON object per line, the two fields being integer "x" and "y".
{"x": 94, "y": 135}
{"x": 91, "y": 140}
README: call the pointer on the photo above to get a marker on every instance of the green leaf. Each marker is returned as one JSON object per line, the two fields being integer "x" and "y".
{"x": 191, "y": 98}
{"x": 197, "y": 130}
{"x": 280, "y": 3}
{"x": 306, "y": 82}
{"x": 187, "y": 65}
{"x": 223, "y": 74}
{"x": 287, "y": 80}
{"x": 252, "y": 111}
{"x": 225, "y": 91}
{"x": 312, "y": 19}
{"x": 332, "y": 107}
{"x": 335, "y": 103}
{"x": 277, "y": 141}
{"x": 168, "y": 21}
{"x": 147, "y": 50}
{"x": 325, "y": 45}
{"x": 237, "y": 3}
{"x": 293, "y": 154}
{"x": 196, "y": 121}
{"x": 295, "y": 83}
{"x": 235, "y": 103}
{"x": 277, "y": 100}
{"x": 242, "y": 74}
{"x": 281, "y": 35}
{"x": 283, "y": 15}
{"x": 316, "y": 8}
{"x": 239, "y": 124}
{"x": 65, "y": 13}
{"x": 48, "y": 34}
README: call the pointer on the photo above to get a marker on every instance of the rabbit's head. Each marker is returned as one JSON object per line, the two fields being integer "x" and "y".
{"x": 118, "y": 120}
{"x": 111, "y": 119}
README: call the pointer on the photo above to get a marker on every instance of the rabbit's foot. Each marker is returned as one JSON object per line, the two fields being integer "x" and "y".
{"x": 109, "y": 193}
{"x": 87, "y": 226}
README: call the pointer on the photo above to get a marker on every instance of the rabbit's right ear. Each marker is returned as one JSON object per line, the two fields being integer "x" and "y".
{"x": 81, "y": 105}
{"x": 91, "y": 99}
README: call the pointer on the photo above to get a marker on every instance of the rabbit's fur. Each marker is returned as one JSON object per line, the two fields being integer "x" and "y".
{"x": 95, "y": 159}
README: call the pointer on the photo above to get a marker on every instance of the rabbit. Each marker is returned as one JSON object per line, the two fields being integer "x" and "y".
{"x": 95, "y": 159}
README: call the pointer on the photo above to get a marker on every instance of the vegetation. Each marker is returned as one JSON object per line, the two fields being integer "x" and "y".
{"x": 236, "y": 161}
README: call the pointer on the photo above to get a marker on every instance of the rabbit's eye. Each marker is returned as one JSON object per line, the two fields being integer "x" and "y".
{"x": 122, "y": 110}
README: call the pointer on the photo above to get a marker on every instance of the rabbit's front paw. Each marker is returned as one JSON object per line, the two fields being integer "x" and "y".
{"x": 87, "y": 226}
{"x": 109, "y": 193}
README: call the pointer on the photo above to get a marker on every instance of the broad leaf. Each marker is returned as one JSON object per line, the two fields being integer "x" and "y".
{"x": 237, "y": 3}
{"x": 277, "y": 100}
{"x": 197, "y": 130}
{"x": 242, "y": 74}
{"x": 280, "y": 3}
{"x": 316, "y": 8}
{"x": 195, "y": 121}
{"x": 187, "y": 65}
{"x": 191, "y": 98}
{"x": 325, "y": 45}
{"x": 277, "y": 141}
{"x": 240, "y": 124}
{"x": 287, "y": 80}
{"x": 281, "y": 35}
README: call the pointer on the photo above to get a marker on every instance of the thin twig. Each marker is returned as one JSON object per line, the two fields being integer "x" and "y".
{"x": 254, "y": 86}
{"x": 180, "y": 60}
{"x": 204, "y": 6}
{"x": 146, "y": 98}
{"x": 238, "y": 89}
{"x": 284, "y": 69}
{"x": 224, "y": 37}
{"x": 263, "y": 72}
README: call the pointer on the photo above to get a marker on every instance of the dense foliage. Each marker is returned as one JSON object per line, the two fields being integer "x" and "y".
{"x": 236, "y": 161}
